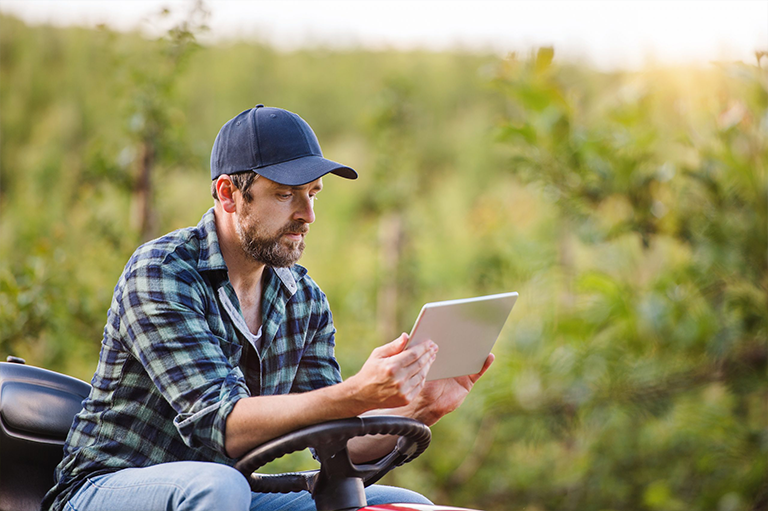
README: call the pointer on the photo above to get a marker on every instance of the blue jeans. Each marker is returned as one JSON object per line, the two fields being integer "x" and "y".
{"x": 200, "y": 486}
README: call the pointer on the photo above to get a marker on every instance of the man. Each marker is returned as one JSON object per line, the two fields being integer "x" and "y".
{"x": 217, "y": 342}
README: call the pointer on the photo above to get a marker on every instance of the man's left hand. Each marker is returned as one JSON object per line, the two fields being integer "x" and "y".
{"x": 441, "y": 397}
{"x": 436, "y": 399}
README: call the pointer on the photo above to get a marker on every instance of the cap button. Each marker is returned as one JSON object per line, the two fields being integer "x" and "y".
{"x": 259, "y": 106}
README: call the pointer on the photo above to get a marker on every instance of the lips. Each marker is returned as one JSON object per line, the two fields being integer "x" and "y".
{"x": 296, "y": 234}
{"x": 296, "y": 230}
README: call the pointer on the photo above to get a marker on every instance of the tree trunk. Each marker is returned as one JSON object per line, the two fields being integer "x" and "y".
{"x": 142, "y": 212}
{"x": 390, "y": 247}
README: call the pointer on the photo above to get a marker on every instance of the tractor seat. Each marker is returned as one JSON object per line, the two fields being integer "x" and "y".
{"x": 37, "y": 407}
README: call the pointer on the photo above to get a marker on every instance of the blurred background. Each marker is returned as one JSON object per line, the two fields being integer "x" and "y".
{"x": 607, "y": 160}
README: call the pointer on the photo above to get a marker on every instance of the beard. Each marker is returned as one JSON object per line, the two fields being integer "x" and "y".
{"x": 271, "y": 250}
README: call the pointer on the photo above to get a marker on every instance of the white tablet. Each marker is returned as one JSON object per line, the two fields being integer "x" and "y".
{"x": 465, "y": 331}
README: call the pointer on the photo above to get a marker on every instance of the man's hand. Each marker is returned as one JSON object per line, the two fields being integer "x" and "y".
{"x": 440, "y": 397}
{"x": 436, "y": 399}
{"x": 393, "y": 376}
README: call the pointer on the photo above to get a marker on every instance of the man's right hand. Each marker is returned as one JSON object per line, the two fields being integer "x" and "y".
{"x": 393, "y": 376}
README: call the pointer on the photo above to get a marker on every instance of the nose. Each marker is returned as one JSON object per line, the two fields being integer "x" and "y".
{"x": 306, "y": 210}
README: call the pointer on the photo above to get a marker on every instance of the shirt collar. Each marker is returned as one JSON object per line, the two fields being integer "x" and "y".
{"x": 209, "y": 256}
{"x": 290, "y": 277}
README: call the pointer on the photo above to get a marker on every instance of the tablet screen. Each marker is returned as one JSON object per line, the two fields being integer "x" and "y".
{"x": 465, "y": 330}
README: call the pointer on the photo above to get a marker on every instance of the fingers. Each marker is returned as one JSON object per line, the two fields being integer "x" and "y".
{"x": 404, "y": 358}
{"x": 396, "y": 375}
{"x": 393, "y": 375}
{"x": 415, "y": 354}
{"x": 417, "y": 380}
{"x": 410, "y": 367}
{"x": 392, "y": 348}
{"x": 488, "y": 362}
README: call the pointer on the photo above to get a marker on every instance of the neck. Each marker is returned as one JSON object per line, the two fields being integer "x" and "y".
{"x": 245, "y": 273}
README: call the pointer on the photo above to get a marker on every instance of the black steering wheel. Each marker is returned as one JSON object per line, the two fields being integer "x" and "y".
{"x": 338, "y": 484}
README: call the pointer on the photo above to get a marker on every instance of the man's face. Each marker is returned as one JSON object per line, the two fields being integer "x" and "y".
{"x": 272, "y": 226}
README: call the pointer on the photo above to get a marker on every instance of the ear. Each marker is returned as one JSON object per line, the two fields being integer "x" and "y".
{"x": 225, "y": 189}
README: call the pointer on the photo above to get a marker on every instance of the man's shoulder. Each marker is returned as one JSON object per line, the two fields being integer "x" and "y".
{"x": 169, "y": 267}
{"x": 195, "y": 246}
{"x": 180, "y": 245}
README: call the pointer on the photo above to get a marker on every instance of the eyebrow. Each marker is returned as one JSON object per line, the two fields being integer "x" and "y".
{"x": 318, "y": 187}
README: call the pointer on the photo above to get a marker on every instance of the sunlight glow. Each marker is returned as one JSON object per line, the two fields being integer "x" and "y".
{"x": 609, "y": 34}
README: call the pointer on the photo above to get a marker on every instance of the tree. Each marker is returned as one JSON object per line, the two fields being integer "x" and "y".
{"x": 647, "y": 388}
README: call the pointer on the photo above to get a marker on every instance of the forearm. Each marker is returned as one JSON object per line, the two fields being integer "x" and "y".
{"x": 363, "y": 449}
{"x": 256, "y": 420}
{"x": 391, "y": 378}
{"x": 367, "y": 448}
{"x": 416, "y": 410}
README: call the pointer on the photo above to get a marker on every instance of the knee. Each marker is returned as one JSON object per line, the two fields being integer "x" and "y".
{"x": 381, "y": 494}
{"x": 217, "y": 486}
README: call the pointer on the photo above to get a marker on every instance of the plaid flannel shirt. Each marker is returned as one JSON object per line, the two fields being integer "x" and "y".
{"x": 169, "y": 369}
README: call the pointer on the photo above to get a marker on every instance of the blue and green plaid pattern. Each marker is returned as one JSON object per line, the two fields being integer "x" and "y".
{"x": 169, "y": 370}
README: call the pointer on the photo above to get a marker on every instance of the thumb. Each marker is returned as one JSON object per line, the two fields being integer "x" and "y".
{"x": 486, "y": 365}
{"x": 392, "y": 348}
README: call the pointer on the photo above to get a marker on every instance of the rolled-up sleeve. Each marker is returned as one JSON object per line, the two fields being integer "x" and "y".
{"x": 165, "y": 329}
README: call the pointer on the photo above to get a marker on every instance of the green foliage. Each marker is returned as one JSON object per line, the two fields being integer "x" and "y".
{"x": 630, "y": 210}
{"x": 646, "y": 386}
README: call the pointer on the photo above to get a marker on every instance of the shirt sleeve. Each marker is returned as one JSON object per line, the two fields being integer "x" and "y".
{"x": 165, "y": 328}
{"x": 318, "y": 367}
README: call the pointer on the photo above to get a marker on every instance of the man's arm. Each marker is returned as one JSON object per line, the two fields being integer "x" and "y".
{"x": 391, "y": 378}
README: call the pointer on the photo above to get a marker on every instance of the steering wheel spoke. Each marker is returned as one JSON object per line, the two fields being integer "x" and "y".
{"x": 284, "y": 483}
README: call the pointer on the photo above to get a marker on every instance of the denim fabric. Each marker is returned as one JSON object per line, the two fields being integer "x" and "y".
{"x": 200, "y": 486}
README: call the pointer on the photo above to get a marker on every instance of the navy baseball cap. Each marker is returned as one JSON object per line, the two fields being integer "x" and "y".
{"x": 274, "y": 143}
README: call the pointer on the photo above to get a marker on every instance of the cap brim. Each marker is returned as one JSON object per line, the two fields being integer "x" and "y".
{"x": 304, "y": 170}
